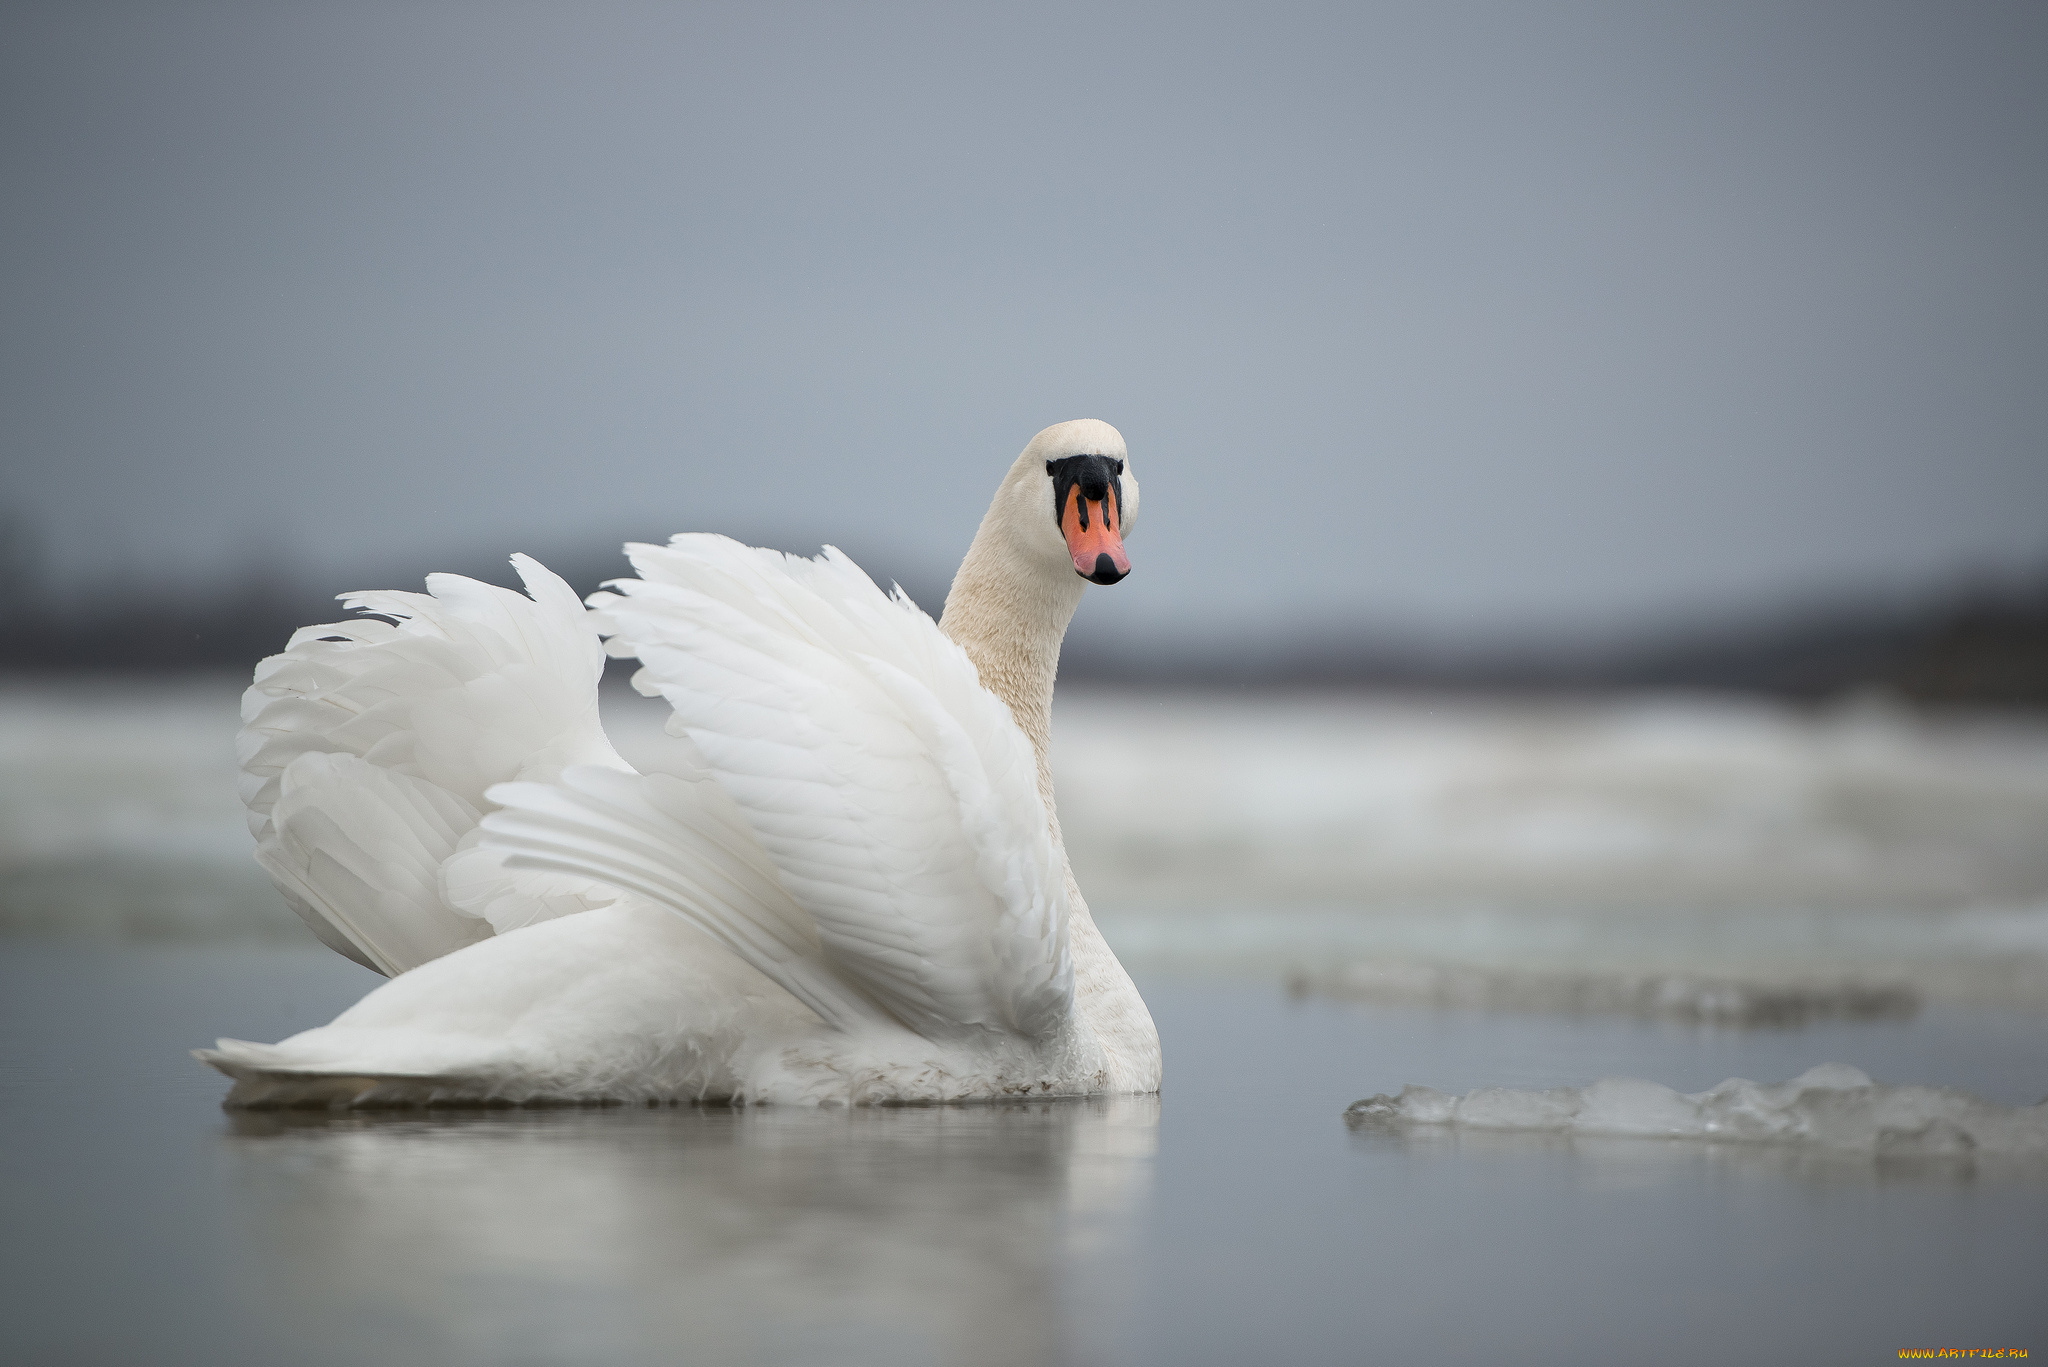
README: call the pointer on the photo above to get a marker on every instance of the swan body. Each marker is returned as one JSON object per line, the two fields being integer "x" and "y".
{"x": 852, "y": 890}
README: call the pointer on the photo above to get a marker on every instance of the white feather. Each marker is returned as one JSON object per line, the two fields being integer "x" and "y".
{"x": 894, "y": 794}
{"x": 367, "y": 748}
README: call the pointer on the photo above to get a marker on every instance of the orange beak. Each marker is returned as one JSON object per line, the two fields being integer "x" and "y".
{"x": 1094, "y": 537}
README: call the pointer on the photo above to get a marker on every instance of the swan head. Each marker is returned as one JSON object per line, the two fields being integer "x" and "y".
{"x": 1070, "y": 500}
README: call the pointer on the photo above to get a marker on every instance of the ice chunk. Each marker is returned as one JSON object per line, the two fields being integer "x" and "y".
{"x": 1629, "y": 1105}
{"x": 1671, "y": 996}
{"x": 1503, "y": 1108}
{"x": 1832, "y": 1106}
{"x": 1671, "y": 803}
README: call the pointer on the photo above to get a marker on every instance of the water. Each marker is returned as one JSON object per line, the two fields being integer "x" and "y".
{"x": 1473, "y": 894}
{"x": 1234, "y": 1219}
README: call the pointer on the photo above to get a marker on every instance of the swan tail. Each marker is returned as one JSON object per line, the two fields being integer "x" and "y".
{"x": 266, "y": 1081}
{"x": 368, "y": 745}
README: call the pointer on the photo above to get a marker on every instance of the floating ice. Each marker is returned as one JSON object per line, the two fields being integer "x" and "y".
{"x": 1832, "y": 1106}
{"x": 1684, "y": 843}
{"x": 1669, "y": 996}
{"x": 1654, "y": 802}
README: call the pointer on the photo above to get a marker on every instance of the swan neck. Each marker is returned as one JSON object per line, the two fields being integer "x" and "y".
{"x": 1009, "y": 609}
{"x": 1010, "y": 618}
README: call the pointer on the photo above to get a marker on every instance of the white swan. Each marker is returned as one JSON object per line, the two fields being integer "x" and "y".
{"x": 855, "y": 892}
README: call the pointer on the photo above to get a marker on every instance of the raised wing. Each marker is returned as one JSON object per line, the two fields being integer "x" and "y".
{"x": 896, "y": 797}
{"x": 367, "y": 748}
{"x": 679, "y": 841}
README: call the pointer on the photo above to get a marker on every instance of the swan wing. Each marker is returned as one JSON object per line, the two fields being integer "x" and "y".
{"x": 896, "y": 798}
{"x": 368, "y": 746}
{"x": 680, "y": 842}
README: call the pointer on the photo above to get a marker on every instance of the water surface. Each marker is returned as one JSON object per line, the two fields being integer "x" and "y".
{"x": 1235, "y": 1219}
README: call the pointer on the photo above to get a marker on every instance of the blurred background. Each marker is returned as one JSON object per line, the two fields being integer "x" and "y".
{"x": 1595, "y": 456}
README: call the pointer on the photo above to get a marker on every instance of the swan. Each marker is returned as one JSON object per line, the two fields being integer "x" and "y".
{"x": 852, "y": 889}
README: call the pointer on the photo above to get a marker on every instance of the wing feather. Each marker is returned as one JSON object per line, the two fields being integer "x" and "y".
{"x": 895, "y": 796}
{"x": 681, "y": 843}
{"x": 368, "y": 745}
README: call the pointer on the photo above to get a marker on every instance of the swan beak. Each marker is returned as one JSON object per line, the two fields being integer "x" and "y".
{"x": 1094, "y": 536}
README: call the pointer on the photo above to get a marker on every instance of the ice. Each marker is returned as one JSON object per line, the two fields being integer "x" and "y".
{"x": 1690, "y": 857}
{"x": 1679, "y": 803}
{"x": 119, "y": 817}
{"x": 1832, "y": 1106}
{"x": 1671, "y": 996}
{"x": 1683, "y": 857}
{"x": 95, "y": 770}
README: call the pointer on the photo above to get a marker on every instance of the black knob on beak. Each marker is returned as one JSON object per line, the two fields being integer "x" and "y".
{"x": 1106, "y": 571}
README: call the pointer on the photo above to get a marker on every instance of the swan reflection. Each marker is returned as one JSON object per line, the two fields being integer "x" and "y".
{"x": 769, "y": 1234}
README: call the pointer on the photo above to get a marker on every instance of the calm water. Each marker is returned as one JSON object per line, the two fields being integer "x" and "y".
{"x": 1235, "y": 1220}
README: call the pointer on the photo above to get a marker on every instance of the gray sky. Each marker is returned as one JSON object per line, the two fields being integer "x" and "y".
{"x": 1528, "y": 317}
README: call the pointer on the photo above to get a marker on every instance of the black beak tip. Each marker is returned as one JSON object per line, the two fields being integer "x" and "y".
{"x": 1106, "y": 571}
